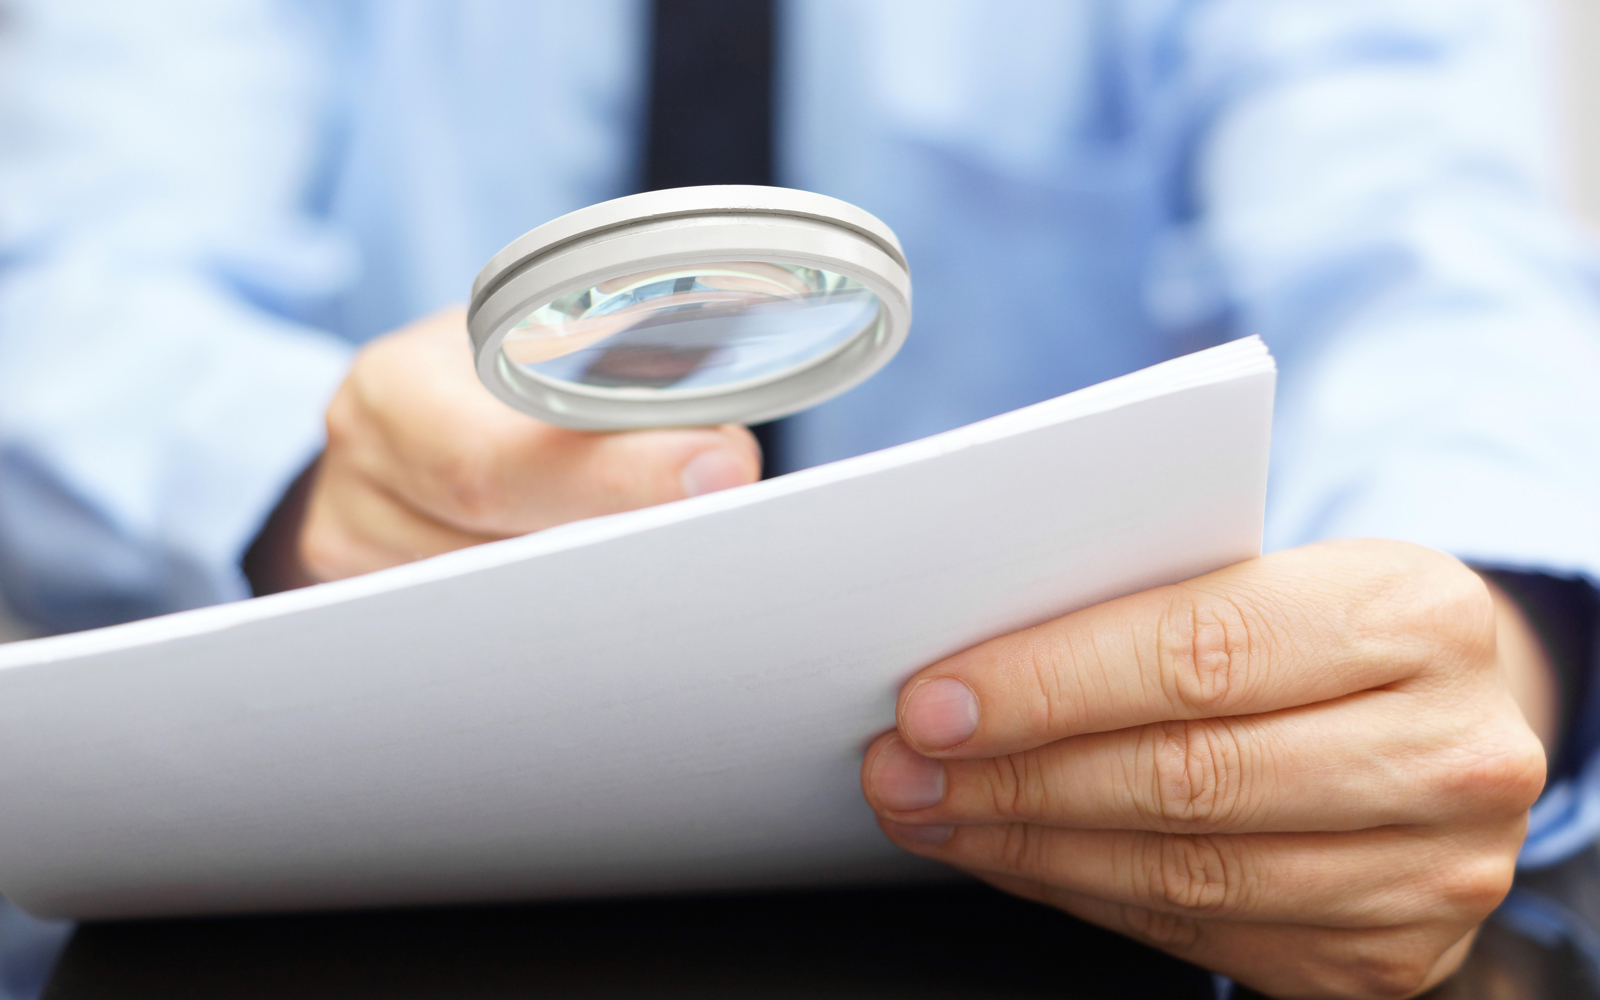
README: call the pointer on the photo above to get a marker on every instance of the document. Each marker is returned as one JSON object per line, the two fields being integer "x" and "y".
{"x": 670, "y": 699}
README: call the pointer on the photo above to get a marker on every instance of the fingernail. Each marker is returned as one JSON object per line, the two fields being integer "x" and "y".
{"x": 903, "y": 780}
{"x": 940, "y": 713}
{"x": 919, "y": 834}
{"x": 713, "y": 470}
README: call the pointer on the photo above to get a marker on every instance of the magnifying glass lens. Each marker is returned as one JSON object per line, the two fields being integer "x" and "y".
{"x": 692, "y": 328}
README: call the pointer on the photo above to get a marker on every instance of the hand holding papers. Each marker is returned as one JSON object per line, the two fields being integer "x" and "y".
{"x": 673, "y": 698}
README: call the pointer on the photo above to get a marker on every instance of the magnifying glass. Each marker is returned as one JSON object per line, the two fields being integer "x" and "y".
{"x": 690, "y": 307}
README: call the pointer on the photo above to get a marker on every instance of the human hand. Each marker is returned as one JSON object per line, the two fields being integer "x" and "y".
{"x": 1307, "y": 772}
{"x": 421, "y": 459}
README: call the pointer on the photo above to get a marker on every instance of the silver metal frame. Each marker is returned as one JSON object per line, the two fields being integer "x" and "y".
{"x": 697, "y": 225}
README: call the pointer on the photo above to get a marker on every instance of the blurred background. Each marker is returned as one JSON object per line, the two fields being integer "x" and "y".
{"x": 10, "y": 628}
{"x": 1575, "y": 71}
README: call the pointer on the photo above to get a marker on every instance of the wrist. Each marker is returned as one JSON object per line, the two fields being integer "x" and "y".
{"x": 1565, "y": 613}
{"x": 1529, "y": 669}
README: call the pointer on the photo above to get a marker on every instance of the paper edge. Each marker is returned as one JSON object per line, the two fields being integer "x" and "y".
{"x": 1245, "y": 357}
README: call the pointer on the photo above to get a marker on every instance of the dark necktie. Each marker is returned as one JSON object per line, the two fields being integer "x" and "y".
{"x": 710, "y": 118}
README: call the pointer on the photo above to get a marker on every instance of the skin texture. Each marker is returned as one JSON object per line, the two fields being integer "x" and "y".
{"x": 421, "y": 459}
{"x": 1310, "y": 771}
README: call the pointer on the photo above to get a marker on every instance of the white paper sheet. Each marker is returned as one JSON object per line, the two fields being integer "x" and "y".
{"x": 675, "y": 698}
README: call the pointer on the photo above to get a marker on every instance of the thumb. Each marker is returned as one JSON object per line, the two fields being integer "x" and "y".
{"x": 574, "y": 475}
{"x": 719, "y": 468}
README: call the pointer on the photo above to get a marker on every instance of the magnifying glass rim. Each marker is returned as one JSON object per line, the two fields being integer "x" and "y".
{"x": 684, "y": 202}
{"x": 689, "y": 262}
{"x": 662, "y": 229}
{"x": 787, "y": 392}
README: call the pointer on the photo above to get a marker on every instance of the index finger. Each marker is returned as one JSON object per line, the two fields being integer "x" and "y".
{"x": 1285, "y": 630}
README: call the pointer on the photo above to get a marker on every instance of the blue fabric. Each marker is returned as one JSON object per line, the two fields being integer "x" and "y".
{"x": 1222, "y": 987}
{"x": 1565, "y": 820}
{"x": 28, "y": 950}
{"x": 1548, "y": 923}
{"x": 205, "y": 205}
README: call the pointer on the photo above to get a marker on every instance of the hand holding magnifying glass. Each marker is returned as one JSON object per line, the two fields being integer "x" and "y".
{"x": 689, "y": 311}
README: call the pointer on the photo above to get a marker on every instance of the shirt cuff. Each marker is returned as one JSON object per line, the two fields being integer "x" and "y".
{"x": 1566, "y": 613}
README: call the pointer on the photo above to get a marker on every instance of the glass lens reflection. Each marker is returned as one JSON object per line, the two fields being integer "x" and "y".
{"x": 692, "y": 327}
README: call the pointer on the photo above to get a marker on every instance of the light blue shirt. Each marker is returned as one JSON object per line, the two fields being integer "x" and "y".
{"x": 205, "y": 205}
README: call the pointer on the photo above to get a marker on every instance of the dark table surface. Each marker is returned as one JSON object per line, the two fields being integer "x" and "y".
{"x": 952, "y": 941}
{"x": 930, "y": 942}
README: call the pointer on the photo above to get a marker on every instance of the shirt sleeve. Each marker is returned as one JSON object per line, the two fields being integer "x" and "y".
{"x": 163, "y": 271}
{"x": 1374, "y": 183}
{"x": 1375, "y": 180}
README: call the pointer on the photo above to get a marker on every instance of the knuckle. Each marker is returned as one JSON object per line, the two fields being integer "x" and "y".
{"x": 1017, "y": 787}
{"x": 1449, "y": 612}
{"x": 1415, "y": 609}
{"x": 1391, "y": 975}
{"x": 1461, "y": 888}
{"x": 622, "y": 485}
{"x": 343, "y": 420}
{"x": 1167, "y": 931}
{"x": 1477, "y": 886}
{"x": 472, "y": 487}
{"x": 1463, "y": 614}
{"x": 1205, "y": 646}
{"x": 1523, "y": 772}
{"x": 607, "y": 475}
{"x": 1392, "y": 963}
{"x": 1019, "y": 849}
{"x": 1197, "y": 774}
{"x": 1195, "y": 874}
{"x": 1041, "y": 663}
{"x": 1497, "y": 776}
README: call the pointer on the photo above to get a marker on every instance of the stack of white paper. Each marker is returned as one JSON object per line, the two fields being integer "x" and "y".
{"x": 668, "y": 699}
